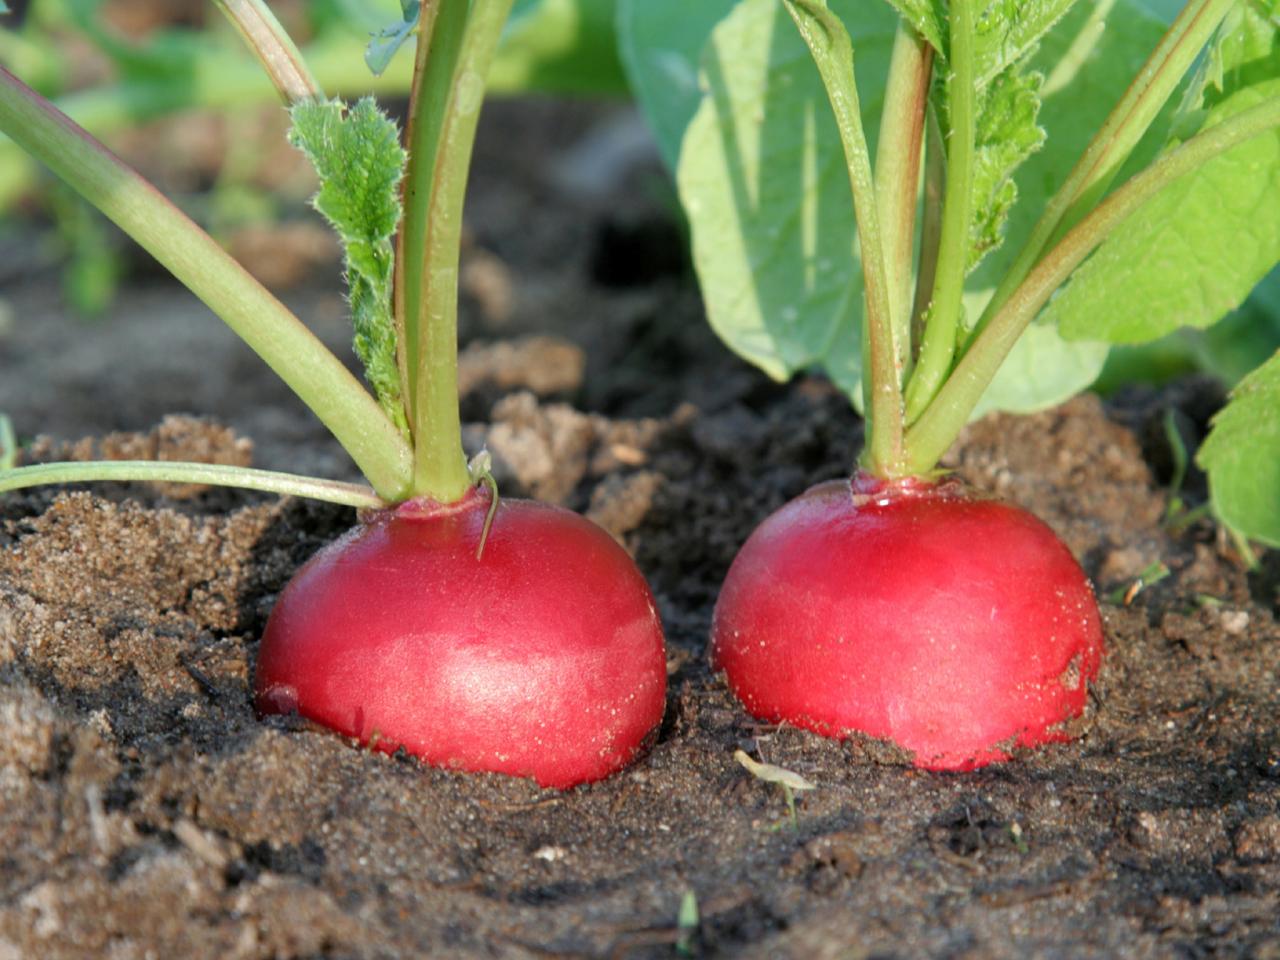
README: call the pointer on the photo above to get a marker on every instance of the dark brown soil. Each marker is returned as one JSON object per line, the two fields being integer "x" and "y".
{"x": 146, "y": 812}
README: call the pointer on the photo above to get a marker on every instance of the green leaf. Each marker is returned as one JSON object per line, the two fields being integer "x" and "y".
{"x": 1004, "y": 31}
{"x": 762, "y": 179}
{"x": 762, "y": 176}
{"x": 1216, "y": 231}
{"x": 384, "y": 44}
{"x": 1042, "y": 370}
{"x": 1242, "y": 456}
{"x": 1087, "y": 64}
{"x": 1006, "y": 135}
{"x": 661, "y": 42}
{"x": 1007, "y": 30}
{"x": 927, "y": 18}
{"x": 357, "y": 154}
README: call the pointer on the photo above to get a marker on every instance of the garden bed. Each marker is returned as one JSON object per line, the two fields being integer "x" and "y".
{"x": 145, "y": 810}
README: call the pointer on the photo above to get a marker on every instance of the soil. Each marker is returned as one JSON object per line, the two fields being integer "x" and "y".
{"x": 145, "y": 811}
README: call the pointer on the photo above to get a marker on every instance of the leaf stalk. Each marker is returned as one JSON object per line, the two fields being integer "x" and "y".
{"x": 832, "y": 52}
{"x": 942, "y": 317}
{"x": 935, "y": 431}
{"x": 204, "y": 474}
{"x": 194, "y": 258}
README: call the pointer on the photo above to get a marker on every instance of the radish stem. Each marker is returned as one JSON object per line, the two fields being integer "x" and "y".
{"x": 191, "y": 255}
{"x": 275, "y": 51}
{"x": 832, "y": 51}
{"x": 941, "y": 423}
{"x": 431, "y": 249}
{"x": 1115, "y": 140}
{"x": 210, "y": 474}
{"x": 942, "y": 318}
{"x": 898, "y": 174}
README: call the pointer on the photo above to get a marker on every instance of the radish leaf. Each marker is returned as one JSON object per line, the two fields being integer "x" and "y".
{"x": 660, "y": 42}
{"x": 1007, "y": 135}
{"x": 1006, "y": 30}
{"x": 1242, "y": 456}
{"x": 762, "y": 176}
{"x": 1194, "y": 252}
{"x": 357, "y": 154}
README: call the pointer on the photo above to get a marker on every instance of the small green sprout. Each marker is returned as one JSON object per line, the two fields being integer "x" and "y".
{"x": 1153, "y": 574}
{"x": 687, "y": 921}
{"x": 8, "y": 443}
{"x": 790, "y": 781}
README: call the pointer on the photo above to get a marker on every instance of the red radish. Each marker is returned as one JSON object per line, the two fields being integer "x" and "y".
{"x": 957, "y": 627}
{"x": 543, "y": 658}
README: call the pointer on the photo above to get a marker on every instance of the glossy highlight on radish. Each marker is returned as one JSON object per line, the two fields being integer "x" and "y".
{"x": 542, "y": 658}
{"x": 957, "y": 627}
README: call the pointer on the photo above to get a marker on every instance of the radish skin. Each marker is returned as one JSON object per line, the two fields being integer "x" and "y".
{"x": 543, "y": 658}
{"x": 958, "y": 628}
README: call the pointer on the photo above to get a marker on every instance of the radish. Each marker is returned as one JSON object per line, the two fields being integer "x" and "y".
{"x": 955, "y": 626}
{"x": 899, "y": 605}
{"x": 543, "y": 659}
{"x": 482, "y": 636}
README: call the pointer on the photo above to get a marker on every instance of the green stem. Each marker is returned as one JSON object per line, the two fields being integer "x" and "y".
{"x": 275, "y": 51}
{"x": 942, "y": 321}
{"x": 440, "y": 467}
{"x": 191, "y": 255}
{"x": 205, "y": 474}
{"x": 935, "y": 180}
{"x": 1112, "y": 145}
{"x": 828, "y": 41}
{"x": 435, "y": 56}
{"x": 942, "y": 422}
{"x": 897, "y": 175}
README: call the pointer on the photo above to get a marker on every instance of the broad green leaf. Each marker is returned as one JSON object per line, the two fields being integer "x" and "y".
{"x": 763, "y": 179}
{"x": 661, "y": 42}
{"x": 1242, "y": 456}
{"x": 1193, "y": 252}
{"x": 357, "y": 154}
{"x": 1042, "y": 370}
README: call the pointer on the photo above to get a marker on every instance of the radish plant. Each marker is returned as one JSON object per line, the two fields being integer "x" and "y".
{"x": 958, "y": 262}
{"x": 477, "y": 634}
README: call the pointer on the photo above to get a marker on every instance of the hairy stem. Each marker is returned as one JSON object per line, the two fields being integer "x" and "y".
{"x": 191, "y": 255}
{"x": 941, "y": 423}
{"x": 205, "y": 474}
{"x": 440, "y": 467}
{"x": 1115, "y": 140}
{"x": 898, "y": 175}
{"x": 275, "y": 51}
{"x": 942, "y": 321}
